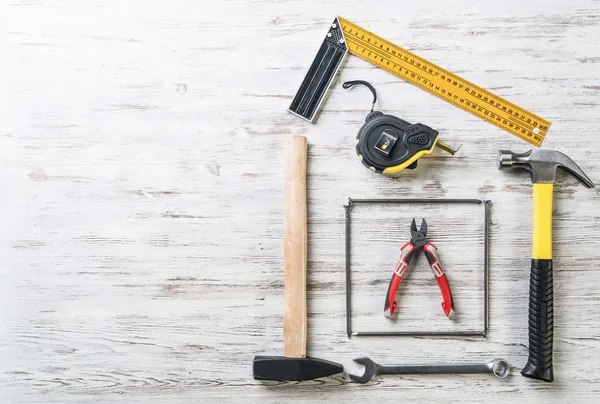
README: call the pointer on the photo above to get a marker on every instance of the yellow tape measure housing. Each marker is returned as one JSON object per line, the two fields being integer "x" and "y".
{"x": 443, "y": 84}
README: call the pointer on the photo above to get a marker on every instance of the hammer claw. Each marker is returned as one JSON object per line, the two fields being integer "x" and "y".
{"x": 542, "y": 164}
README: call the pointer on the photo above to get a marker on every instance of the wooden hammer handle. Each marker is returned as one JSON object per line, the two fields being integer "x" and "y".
{"x": 294, "y": 250}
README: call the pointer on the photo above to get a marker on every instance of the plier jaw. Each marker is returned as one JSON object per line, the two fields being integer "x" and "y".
{"x": 418, "y": 237}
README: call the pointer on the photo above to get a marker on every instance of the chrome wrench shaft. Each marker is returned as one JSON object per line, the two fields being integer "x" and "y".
{"x": 498, "y": 367}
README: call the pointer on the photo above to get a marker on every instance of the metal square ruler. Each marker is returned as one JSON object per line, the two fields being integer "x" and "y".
{"x": 345, "y": 37}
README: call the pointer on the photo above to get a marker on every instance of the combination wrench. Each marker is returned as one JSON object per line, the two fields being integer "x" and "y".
{"x": 498, "y": 367}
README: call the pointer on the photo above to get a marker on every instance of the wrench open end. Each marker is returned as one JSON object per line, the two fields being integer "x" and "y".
{"x": 369, "y": 370}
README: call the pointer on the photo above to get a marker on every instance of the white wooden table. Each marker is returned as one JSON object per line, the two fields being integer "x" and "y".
{"x": 141, "y": 205}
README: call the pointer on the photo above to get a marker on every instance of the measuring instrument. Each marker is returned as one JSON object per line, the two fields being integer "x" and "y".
{"x": 387, "y": 144}
{"x": 345, "y": 37}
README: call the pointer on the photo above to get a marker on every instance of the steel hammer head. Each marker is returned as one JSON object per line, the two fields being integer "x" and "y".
{"x": 542, "y": 164}
{"x": 293, "y": 369}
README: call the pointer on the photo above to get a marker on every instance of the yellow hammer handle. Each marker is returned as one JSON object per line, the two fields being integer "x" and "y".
{"x": 542, "y": 221}
{"x": 541, "y": 305}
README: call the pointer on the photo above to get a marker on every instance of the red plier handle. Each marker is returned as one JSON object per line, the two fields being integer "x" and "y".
{"x": 406, "y": 253}
{"x": 431, "y": 252}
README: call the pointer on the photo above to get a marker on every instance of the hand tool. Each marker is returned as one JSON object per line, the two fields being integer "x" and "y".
{"x": 419, "y": 201}
{"x": 321, "y": 75}
{"x": 387, "y": 144}
{"x": 418, "y": 241}
{"x": 345, "y": 37}
{"x": 294, "y": 365}
{"x": 542, "y": 164}
{"x": 498, "y": 367}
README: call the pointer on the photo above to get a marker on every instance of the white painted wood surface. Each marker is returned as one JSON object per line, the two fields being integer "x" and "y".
{"x": 142, "y": 190}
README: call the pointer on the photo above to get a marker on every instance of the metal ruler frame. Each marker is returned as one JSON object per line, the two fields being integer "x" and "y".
{"x": 428, "y": 333}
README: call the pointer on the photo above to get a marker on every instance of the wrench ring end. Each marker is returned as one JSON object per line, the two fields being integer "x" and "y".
{"x": 500, "y": 368}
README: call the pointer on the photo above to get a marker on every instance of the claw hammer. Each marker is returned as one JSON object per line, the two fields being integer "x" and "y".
{"x": 542, "y": 165}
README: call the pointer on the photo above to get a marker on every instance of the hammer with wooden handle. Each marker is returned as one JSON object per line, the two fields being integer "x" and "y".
{"x": 542, "y": 164}
{"x": 294, "y": 365}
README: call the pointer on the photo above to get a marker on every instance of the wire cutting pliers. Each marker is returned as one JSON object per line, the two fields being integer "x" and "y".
{"x": 418, "y": 242}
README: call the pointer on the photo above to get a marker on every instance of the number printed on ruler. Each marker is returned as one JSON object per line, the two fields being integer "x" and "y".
{"x": 445, "y": 85}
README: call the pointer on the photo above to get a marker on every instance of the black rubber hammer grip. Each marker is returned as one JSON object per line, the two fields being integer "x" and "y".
{"x": 541, "y": 322}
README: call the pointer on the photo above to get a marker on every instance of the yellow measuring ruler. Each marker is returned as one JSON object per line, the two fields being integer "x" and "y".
{"x": 443, "y": 84}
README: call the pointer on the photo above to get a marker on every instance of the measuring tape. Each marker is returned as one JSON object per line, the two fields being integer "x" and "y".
{"x": 443, "y": 84}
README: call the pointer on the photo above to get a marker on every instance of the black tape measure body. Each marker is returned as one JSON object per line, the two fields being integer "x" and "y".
{"x": 387, "y": 144}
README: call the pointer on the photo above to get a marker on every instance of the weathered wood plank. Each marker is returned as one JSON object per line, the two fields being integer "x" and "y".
{"x": 142, "y": 206}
